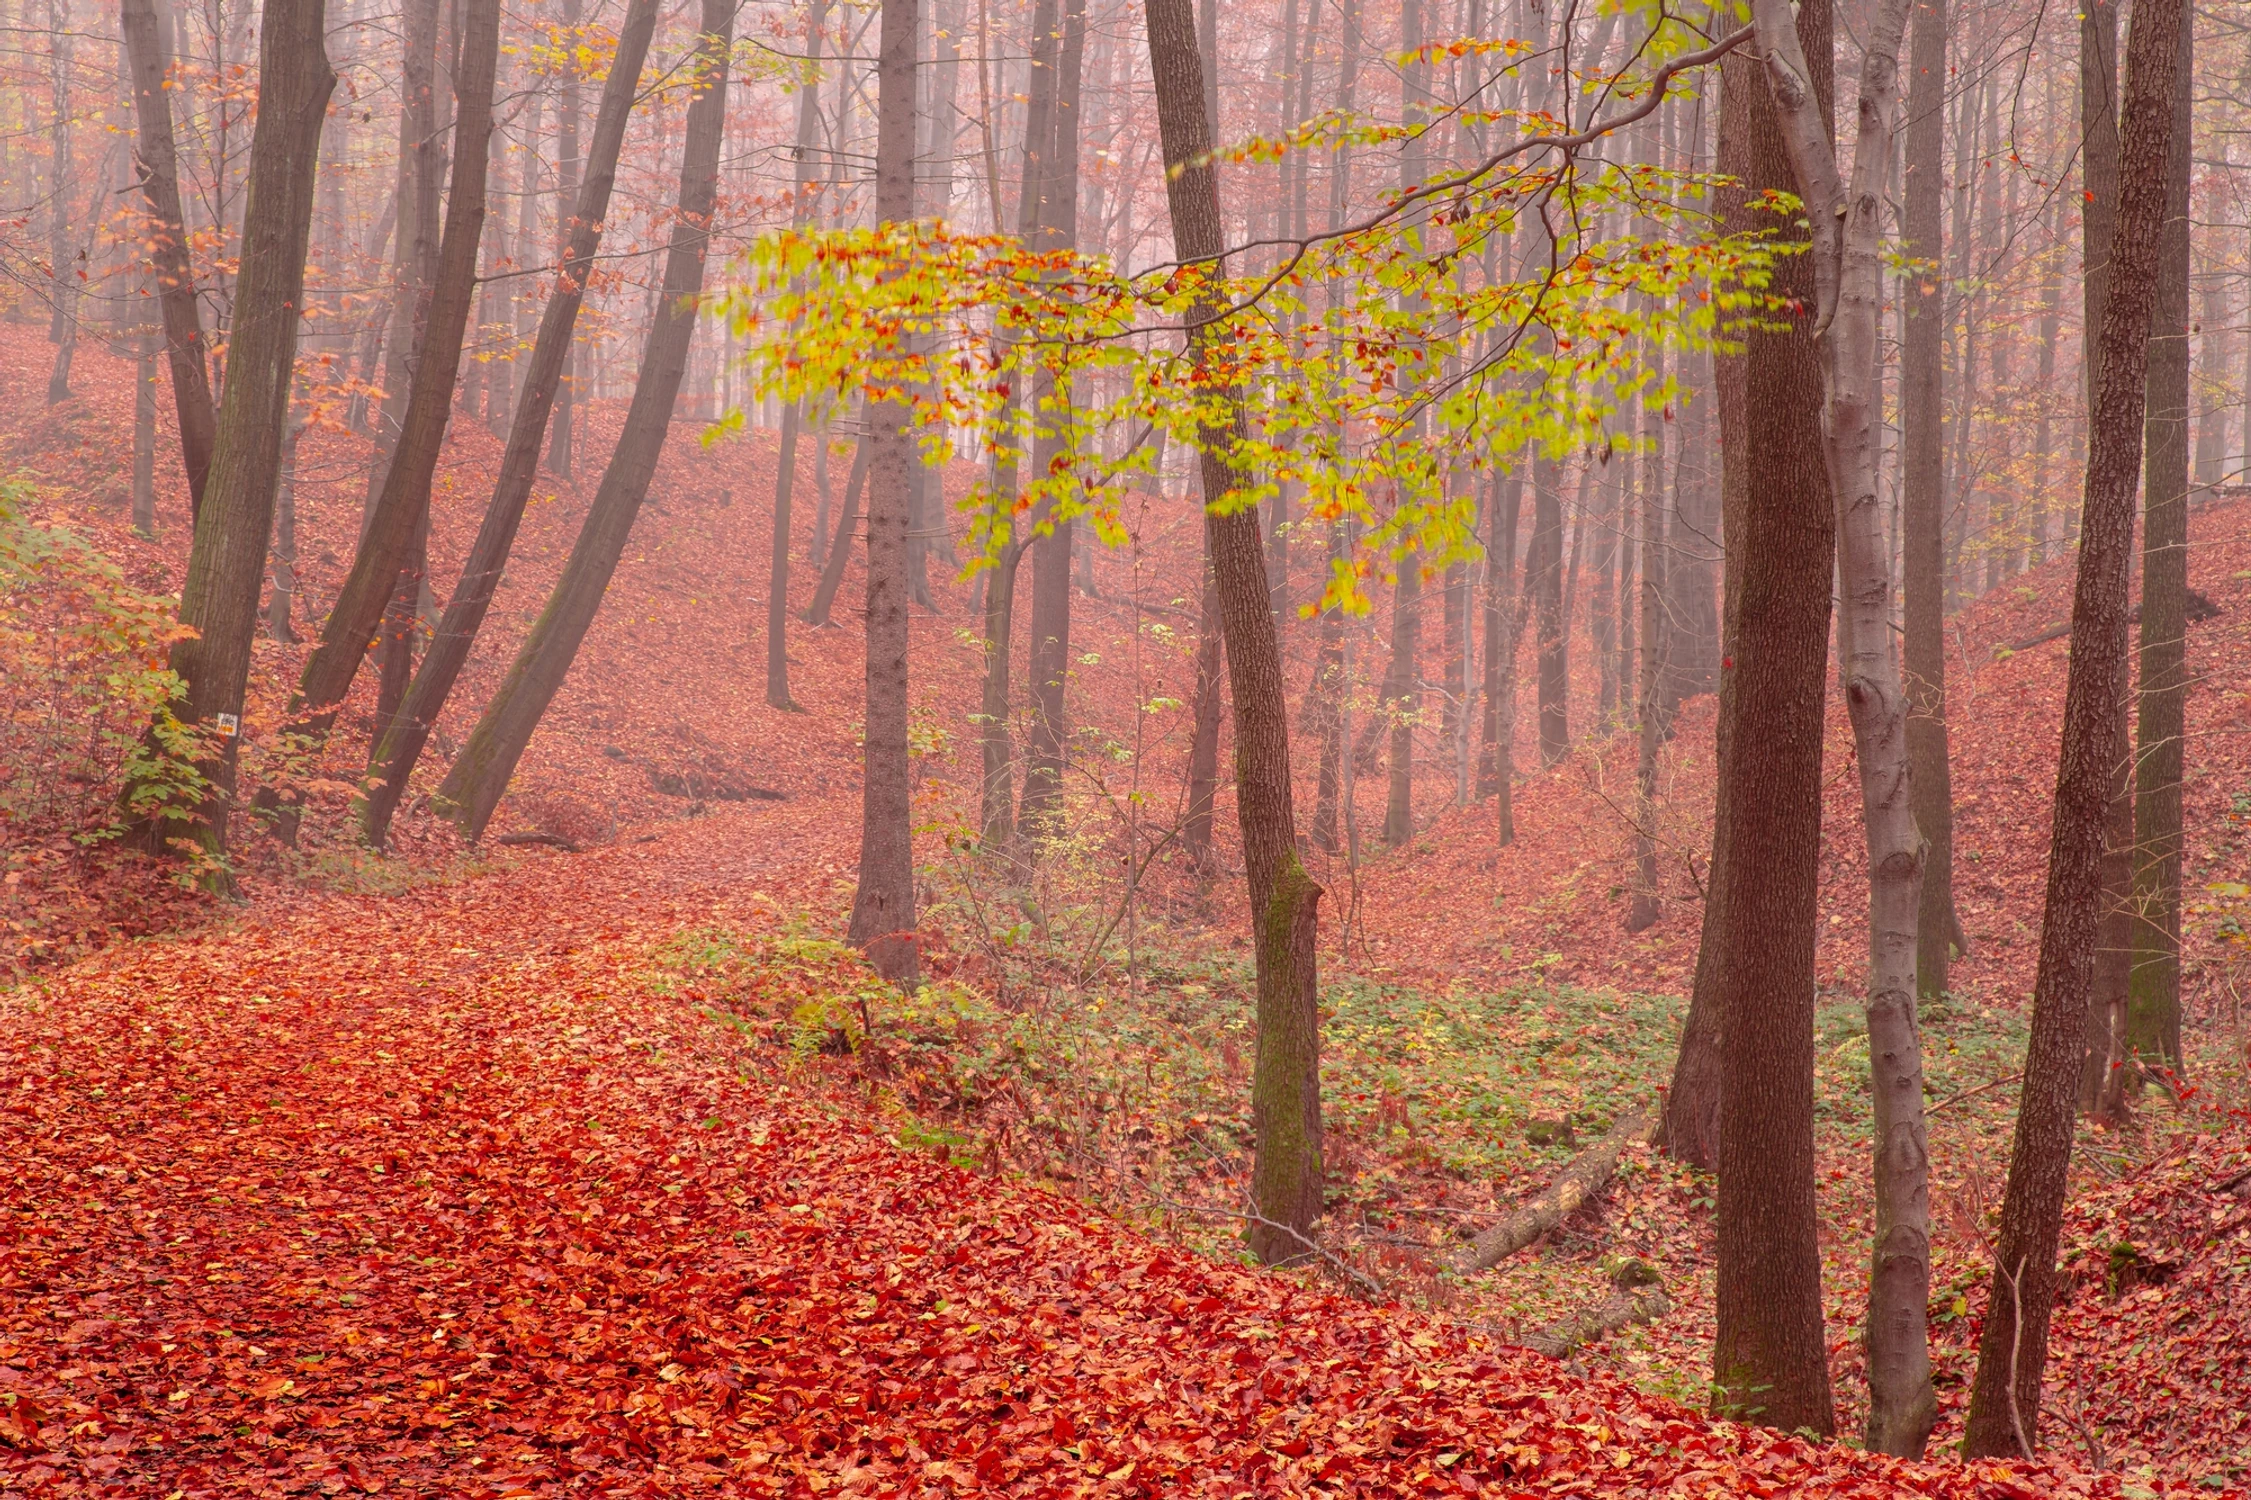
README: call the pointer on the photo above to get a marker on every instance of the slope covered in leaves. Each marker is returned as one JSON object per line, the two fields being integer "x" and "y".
{"x": 434, "y": 1195}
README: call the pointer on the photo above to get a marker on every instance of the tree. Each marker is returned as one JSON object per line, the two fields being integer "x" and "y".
{"x": 2004, "y": 1415}
{"x": 567, "y": 169}
{"x": 793, "y": 415}
{"x": 2153, "y": 997}
{"x": 1923, "y": 443}
{"x": 1847, "y": 243}
{"x": 402, "y": 507}
{"x": 227, "y": 559}
{"x": 158, "y": 163}
{"x": 1284, "y": 901}
{"x": 883, "y": 906}
{"x": 1770, "y": 1359}
{"x": 401, "y": 742}
{"x": 479, "y": 776}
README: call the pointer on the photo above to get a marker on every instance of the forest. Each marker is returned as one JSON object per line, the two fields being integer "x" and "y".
{"x": 1118, "y": 747}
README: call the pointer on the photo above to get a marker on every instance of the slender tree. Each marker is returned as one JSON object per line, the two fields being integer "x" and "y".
{"x": 2004, "y": 1415}
{"x": 158, "y": 163}
{"x": 402, "y": 742}
{"x": 1770, "y": 1360}
{"x": 568, "y": 168}
{"x": 227, "y": 559}
{"x": 479, "y": 776}
{"x": 883, "y": 907}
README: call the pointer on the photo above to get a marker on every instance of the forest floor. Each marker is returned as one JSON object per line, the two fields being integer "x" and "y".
{"x": 371, "y": 1180}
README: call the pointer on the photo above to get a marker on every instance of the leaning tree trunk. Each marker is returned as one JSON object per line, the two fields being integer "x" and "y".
{"x": 1692, "y": 1103}
{"x": 1849, "y": 274}
{"x": 227, "y": 560}
{"x": 793, "y": 416}
{"x": 1284, "y": 901}
{"x": 404, "y": 503}
{"x": 401, "y": 744}
{"x": 1770, "y": 1358}
{"x": 883, "y": 907}
{"x": 2004, "y": 1415}
{"x": 2153, "y": 996}
{"x": 168, "y": 250}
{"x": 480, "y": 775}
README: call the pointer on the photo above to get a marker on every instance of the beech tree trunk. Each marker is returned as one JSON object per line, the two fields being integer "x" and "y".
{"x": 227, "y": 559}
{"x": 883, "y": 908}
{"x": 847, "y": 526}
{"x": 1496, "y": 773}
{"x": 415, "y": 248}
{"x": 158, "y": 163}
{"x": 1203, "y": 733}
{"x": 1923, "y": 472}
{"x": 1284, "y": 901}
{"x": 479, "y": 777}
{"x": 1692, "y": 1103}
{"x": 1770, "y": 1360}
{"x": 402, "y": 742}
{"x": 2153, "y": 997}
{"x": 2004, "y": 1414}
{"x": 567, "y": 170}
{"x": 1554, "y": 668}
{"x": 1050, "y": 655}
{"x": 793, "y": 415}
{"x": 402, "y": 509}
{"x": 1402, "y": 701}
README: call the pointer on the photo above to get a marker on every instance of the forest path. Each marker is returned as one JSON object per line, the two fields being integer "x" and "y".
{"x": 437, "y": 1194}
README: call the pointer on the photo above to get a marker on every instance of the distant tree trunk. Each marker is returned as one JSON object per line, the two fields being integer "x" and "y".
{"x": 2051, "y": 330}
{"x": 1050, "y": 654}
{"x": 285, "y": 536}
{"x": 144, "y": 433}
{"x": 227, "y": 558}
{"x": 479, "y": 777}
{"x": 2153, "y": 1000}
{"x": 1284, "y": 902}
{"x": 1497, "y": 755}
{"x": 2004, "y": 1413}
{"x": 62, "y": 286}
{"x": 1692, "y": 1103}
{"x": 1402, "y": 701}
{"x": 840, "y": 545}
{"x": 1203, "y": 734}
{"x": 168, "y": 250}
{"x": 1547, "y": 597}
{"x": 401, "y": 746}
{"x": 373, "y": 586}
{"x": 793, "y": 415}
{"x": 1611, "y": 504}
{"x": 559, "y": 446}
{"x": 1770, "y": 1358}
{"x": 1653, "y": 709}
{"x": 883, "y": 908}
{"x": 1322, "y": 717}
{"x": 415, "y": 247}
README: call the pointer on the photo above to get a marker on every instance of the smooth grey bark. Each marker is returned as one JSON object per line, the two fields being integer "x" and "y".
{"x": 479, "y": 777}
{"x": 560, "y": 451}
{"x": 402, "y": 743}
{"x": 227, "y": 559}
{"x": 883, "y": 906}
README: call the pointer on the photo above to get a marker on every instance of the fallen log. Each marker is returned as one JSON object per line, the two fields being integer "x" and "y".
{"x": 1585, "y": 1176}
{"x": 1637, "y": 1297}
{"x": 550, "y": 840}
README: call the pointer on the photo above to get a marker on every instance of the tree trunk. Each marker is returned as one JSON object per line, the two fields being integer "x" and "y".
{"x": 402, "y": 744}
{"x": 1402, "y": 701}
{"x": 1770, "y": 1360}
{"x": 1547, "y": 595}
{"x": 415, "y": 246}
{"x": 559, "y": 445}
{"x": 284, "y": 595}
{"x": 1284, "y": 901}
{"x": 1050, "y": 655}
{"x": 374, "y": 586}
{"x": 1923, "y": 472}
{"x": 479, "y": 777}
{"x": 1652, "y": 710}
{"x": 883, "y": 908}
{"x": 1692, "y": 1103}
{"x": 1497, "y": 756}
{"x": 840, "y": 545}
{"x": 1203, "y": 734}
{"x": 227, "y": 560}
{"x": 168, "y": 248}
{"x": 2153, "y": 997}
{"x": 144, "y": 434}
{"x": 2004, "y": 1414}
{"x": 793, "y": 416}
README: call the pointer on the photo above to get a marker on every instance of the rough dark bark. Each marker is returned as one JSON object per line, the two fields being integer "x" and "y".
{"x": 374, "y": 585}
{"x": 2153, "y": 997}
{"x": 479, "y": 777}
{"x": 157, "y": 162}
{"x": 2004, "y": 1414}
{"x": 1923, "y": 503}
{"x": 793, "y": 416}
{"x": 1770, "y": 1359}
{"x": 883, "y": 907}
{"x": 227, "y": 560}
{"x": 1284, "y": 901}
{"x": 402, "y": 743}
